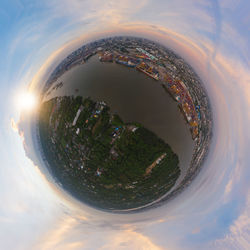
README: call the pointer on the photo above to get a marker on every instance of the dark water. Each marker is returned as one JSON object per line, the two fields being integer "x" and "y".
{"x": 135, "y": 97}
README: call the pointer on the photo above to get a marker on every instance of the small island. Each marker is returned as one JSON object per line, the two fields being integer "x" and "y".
{"x": 101, "y": 160}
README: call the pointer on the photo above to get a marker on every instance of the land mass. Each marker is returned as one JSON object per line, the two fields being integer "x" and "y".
{"x": 100, "y": 159}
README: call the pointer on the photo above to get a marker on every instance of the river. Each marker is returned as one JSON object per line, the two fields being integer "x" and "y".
{"x": 135, "y": 97}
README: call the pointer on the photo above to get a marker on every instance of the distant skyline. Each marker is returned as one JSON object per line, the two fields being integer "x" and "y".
{"x": 214, "y": 38}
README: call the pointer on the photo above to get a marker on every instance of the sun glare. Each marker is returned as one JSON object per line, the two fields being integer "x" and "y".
{"x": 27, "y": 101}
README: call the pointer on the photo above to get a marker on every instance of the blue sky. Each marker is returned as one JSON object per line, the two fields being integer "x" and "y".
{"x": 214, "y": 37}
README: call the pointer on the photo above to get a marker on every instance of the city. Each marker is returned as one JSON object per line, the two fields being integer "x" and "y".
{"x": 166, "y": 68}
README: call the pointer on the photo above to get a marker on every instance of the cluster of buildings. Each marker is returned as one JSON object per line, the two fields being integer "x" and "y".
{"x": 181, "y": 94}
{"x": 138, "y": 61}
{"x": 158, "y": 67}
{"x": 106, "y": 57}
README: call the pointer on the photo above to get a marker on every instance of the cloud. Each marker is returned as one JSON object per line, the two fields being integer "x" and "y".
{"x": 238, "y": 237}
{"x": 13, "y": 124}
{"x": 129, "y": 240}
{"x": 67, "y": 233}
{"x": 105, "y": 12}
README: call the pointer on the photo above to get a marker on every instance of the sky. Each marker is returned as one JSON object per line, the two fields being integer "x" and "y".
{"x": 214, "y": 38}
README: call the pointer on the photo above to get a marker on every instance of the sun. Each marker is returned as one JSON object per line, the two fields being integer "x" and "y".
{"x": 27, "y": 101}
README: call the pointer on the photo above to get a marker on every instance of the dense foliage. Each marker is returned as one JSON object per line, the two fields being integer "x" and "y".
{"x": 100, "y": 159}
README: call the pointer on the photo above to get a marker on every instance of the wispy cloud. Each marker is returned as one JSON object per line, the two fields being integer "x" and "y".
{"x": 14, "y": 126}
{"x": 238, "y": 237}
{"x": 67, "y": 234}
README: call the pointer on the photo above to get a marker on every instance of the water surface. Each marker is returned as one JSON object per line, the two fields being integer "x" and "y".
{"x": 135, "y": 97}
